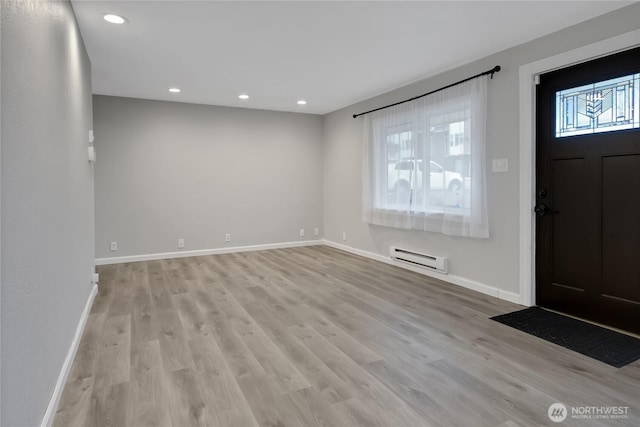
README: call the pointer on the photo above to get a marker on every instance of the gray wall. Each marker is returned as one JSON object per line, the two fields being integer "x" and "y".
{"x": 169, "y": 170}
{"x": 493, "y": 262}
{"x": 47, "y": 200}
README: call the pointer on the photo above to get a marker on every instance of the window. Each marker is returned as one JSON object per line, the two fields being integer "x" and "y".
{"x": 424, "y": 163}
{"x": 599, "y": 107}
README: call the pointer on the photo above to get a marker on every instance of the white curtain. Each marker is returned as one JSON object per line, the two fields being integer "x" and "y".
{"x": 424, "y": 163}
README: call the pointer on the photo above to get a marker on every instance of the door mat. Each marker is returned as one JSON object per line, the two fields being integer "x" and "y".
{"x": 605, "y": 345}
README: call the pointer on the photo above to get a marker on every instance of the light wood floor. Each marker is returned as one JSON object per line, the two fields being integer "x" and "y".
{"x": 317, "y": 337}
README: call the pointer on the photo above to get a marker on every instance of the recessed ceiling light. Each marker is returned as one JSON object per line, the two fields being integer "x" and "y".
{"x": 243, "y": 96}
{"x": 114, "y": 19}
{"x": 174, "y": 90}
{"x": 302, "y": 102}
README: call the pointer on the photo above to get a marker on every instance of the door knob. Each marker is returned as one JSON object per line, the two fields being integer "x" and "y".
{"x": 543, "y": 210}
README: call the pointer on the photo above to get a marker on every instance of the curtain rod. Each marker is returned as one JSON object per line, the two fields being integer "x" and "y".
{"x": 491, "y": 71}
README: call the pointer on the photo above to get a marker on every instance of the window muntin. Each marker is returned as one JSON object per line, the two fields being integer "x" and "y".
{"x": 435, "y": 145}
{"x": 605, "y": 106}
{"x": 439, "y": 139}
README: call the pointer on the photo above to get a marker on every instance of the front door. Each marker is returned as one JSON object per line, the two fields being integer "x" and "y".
{"x": 588, "y": 190}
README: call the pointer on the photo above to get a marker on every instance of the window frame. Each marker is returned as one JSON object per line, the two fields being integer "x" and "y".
{"x": 459, "y": 106}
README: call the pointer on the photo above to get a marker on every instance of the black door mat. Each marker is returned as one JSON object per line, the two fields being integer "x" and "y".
{"x": 593, "y": 341}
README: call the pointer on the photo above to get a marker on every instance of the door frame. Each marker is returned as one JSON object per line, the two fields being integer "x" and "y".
{"x": 529, "y": 76}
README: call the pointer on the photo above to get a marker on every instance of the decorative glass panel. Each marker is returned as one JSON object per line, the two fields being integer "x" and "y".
{"x": 599, "y": 107}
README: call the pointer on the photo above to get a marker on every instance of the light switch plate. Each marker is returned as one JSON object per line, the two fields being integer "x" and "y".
{"x": 500, "y": 165}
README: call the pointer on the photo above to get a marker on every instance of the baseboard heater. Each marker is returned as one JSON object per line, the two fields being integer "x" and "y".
{"x": 432, "y": 262}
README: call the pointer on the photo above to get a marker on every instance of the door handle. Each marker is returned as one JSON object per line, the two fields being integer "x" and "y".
{"x": 543, "y": 210}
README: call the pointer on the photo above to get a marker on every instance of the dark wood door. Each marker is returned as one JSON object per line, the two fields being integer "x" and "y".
{"x": 588, "y": 190}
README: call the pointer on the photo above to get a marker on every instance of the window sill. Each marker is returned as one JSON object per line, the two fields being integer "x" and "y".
{"x": 453, "y": 214}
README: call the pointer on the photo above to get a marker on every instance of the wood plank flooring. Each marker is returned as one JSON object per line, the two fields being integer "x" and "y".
{"x": 314, "y": 336}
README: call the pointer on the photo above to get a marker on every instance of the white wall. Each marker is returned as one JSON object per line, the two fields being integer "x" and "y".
{"x": 492, "y": 262}
{"x": 46, "y": 200}
{"x": 169, "y": 170}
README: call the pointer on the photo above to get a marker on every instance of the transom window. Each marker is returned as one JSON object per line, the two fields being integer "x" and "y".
{"x": 605, "y": 106}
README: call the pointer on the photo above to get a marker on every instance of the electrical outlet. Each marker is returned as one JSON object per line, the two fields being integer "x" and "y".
{"x": 227, "y": 237}
{"x": 344, "y": 235}
{"x": 180, "y": 243}
{"x": 302, "y": 232}
{"x": 114, "y": 246}
{"x": 316, "y": 232}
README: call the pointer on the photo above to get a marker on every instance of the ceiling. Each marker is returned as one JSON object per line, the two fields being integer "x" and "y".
{"x": 331, "y": 54}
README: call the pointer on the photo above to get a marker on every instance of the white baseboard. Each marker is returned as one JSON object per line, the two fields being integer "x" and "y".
{"x": 456, "y": 280}
{"x": 203, "y": 252}
{"x": 510, "y": 296}
{"x": 47, "y": 421}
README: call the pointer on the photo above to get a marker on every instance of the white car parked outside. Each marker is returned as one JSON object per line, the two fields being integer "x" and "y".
{"x": 401, "y": 182}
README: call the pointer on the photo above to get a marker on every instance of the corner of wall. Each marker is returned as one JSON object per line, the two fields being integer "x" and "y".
{"x": 50, "y": 413}
{"x": 0, "y": 218}
{"x": 46, "y": 198}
